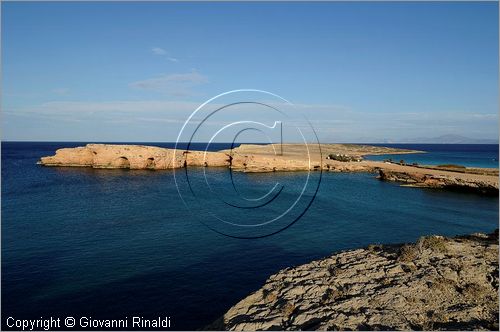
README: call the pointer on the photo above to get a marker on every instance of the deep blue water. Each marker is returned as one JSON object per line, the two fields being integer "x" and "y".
{"x": 470, "y": 155}
{"x": 116, "y": 243}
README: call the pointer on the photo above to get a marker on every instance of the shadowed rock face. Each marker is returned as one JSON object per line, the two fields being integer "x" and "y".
{"x": 439, "y": 181}
{"x": 436, "y": 283}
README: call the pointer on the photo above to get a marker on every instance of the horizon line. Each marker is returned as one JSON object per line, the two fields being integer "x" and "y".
{"x": 262, "y": 143}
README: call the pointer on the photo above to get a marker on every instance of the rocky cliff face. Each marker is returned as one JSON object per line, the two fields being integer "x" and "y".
{"x": 246, "y": 158}
{"x": 436, "y": 283}
{"x": 149, "y": 157}
{"x": 133, "y": 157}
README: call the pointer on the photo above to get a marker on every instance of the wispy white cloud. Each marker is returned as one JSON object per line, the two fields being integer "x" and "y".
{"x": 76, "y": 108}
{"x": 172, "y": 84}
{"x": 158, "y": 51}
{"x": 161, "y": 52}
{"x": 333, "y": 123}
{"x": 490, "y": 116}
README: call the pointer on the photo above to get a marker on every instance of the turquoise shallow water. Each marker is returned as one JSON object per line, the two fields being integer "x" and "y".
{"x": 116, "y": 243}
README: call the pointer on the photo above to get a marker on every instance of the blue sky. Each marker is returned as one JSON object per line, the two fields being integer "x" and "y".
{"x": 359, "y": 71}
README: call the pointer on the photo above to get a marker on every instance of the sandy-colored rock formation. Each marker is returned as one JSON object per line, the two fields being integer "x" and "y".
{"x": 437, "y": 283}
{"x": 269, "y": 158}
{"x": 133, "y": 157}
{"x": 247, "y": 157}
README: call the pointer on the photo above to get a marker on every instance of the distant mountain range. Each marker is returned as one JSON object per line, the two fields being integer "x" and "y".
{"x": 453, "y": 139}
{"x": 445, "y": 139}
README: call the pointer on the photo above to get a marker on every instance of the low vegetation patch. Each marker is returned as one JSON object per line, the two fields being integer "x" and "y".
{"x": 433, "y": 242}
{"x": 288, "y": 309}
{"x": 452, "y": 166}
{"x": 269, "y": 296}
{"x": 373, "y": 248}
{"x": 343, "y": 157}
{"x": 408, "y": 253}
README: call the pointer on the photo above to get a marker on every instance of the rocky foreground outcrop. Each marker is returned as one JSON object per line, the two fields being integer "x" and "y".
{"x": 435, "y": 284}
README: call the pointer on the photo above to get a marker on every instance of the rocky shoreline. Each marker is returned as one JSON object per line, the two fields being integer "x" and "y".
{"x": 421, "y": 180}
{"x": 436, "y": 283}
{"x": 271, "y": 158}
{"x": 247, "y": 157}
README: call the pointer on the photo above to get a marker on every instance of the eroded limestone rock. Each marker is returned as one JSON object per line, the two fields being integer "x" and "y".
{"x": 133, "y": 157}
{"x": 436, "y": 283}
{"x": 267, "y": 158}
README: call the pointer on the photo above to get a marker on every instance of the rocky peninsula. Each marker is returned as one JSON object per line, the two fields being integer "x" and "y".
{"x": 247, "y": 157}
{"x": 286, "y": 157}
{"x": 436, "y": 283}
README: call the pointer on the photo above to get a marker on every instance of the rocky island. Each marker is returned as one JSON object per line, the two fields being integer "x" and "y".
{"x": 435, "y": 284}
{"x": 286, "y": 157}
{"x": 247, "y": 157}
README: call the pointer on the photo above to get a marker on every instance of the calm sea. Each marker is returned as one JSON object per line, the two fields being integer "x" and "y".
{"x": 470, "y": 155}
{"x": 119, "y": 243}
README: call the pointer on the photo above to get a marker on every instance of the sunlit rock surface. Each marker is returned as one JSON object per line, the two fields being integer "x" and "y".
{"x": 437, "y": 283}
{"x": 269, "y": 158}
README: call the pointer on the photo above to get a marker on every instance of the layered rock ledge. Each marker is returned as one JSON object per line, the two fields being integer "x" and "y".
{"x": 483, "y": 185}
{"x": 269, "y": 158}
{"x": 435, "y": 284}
